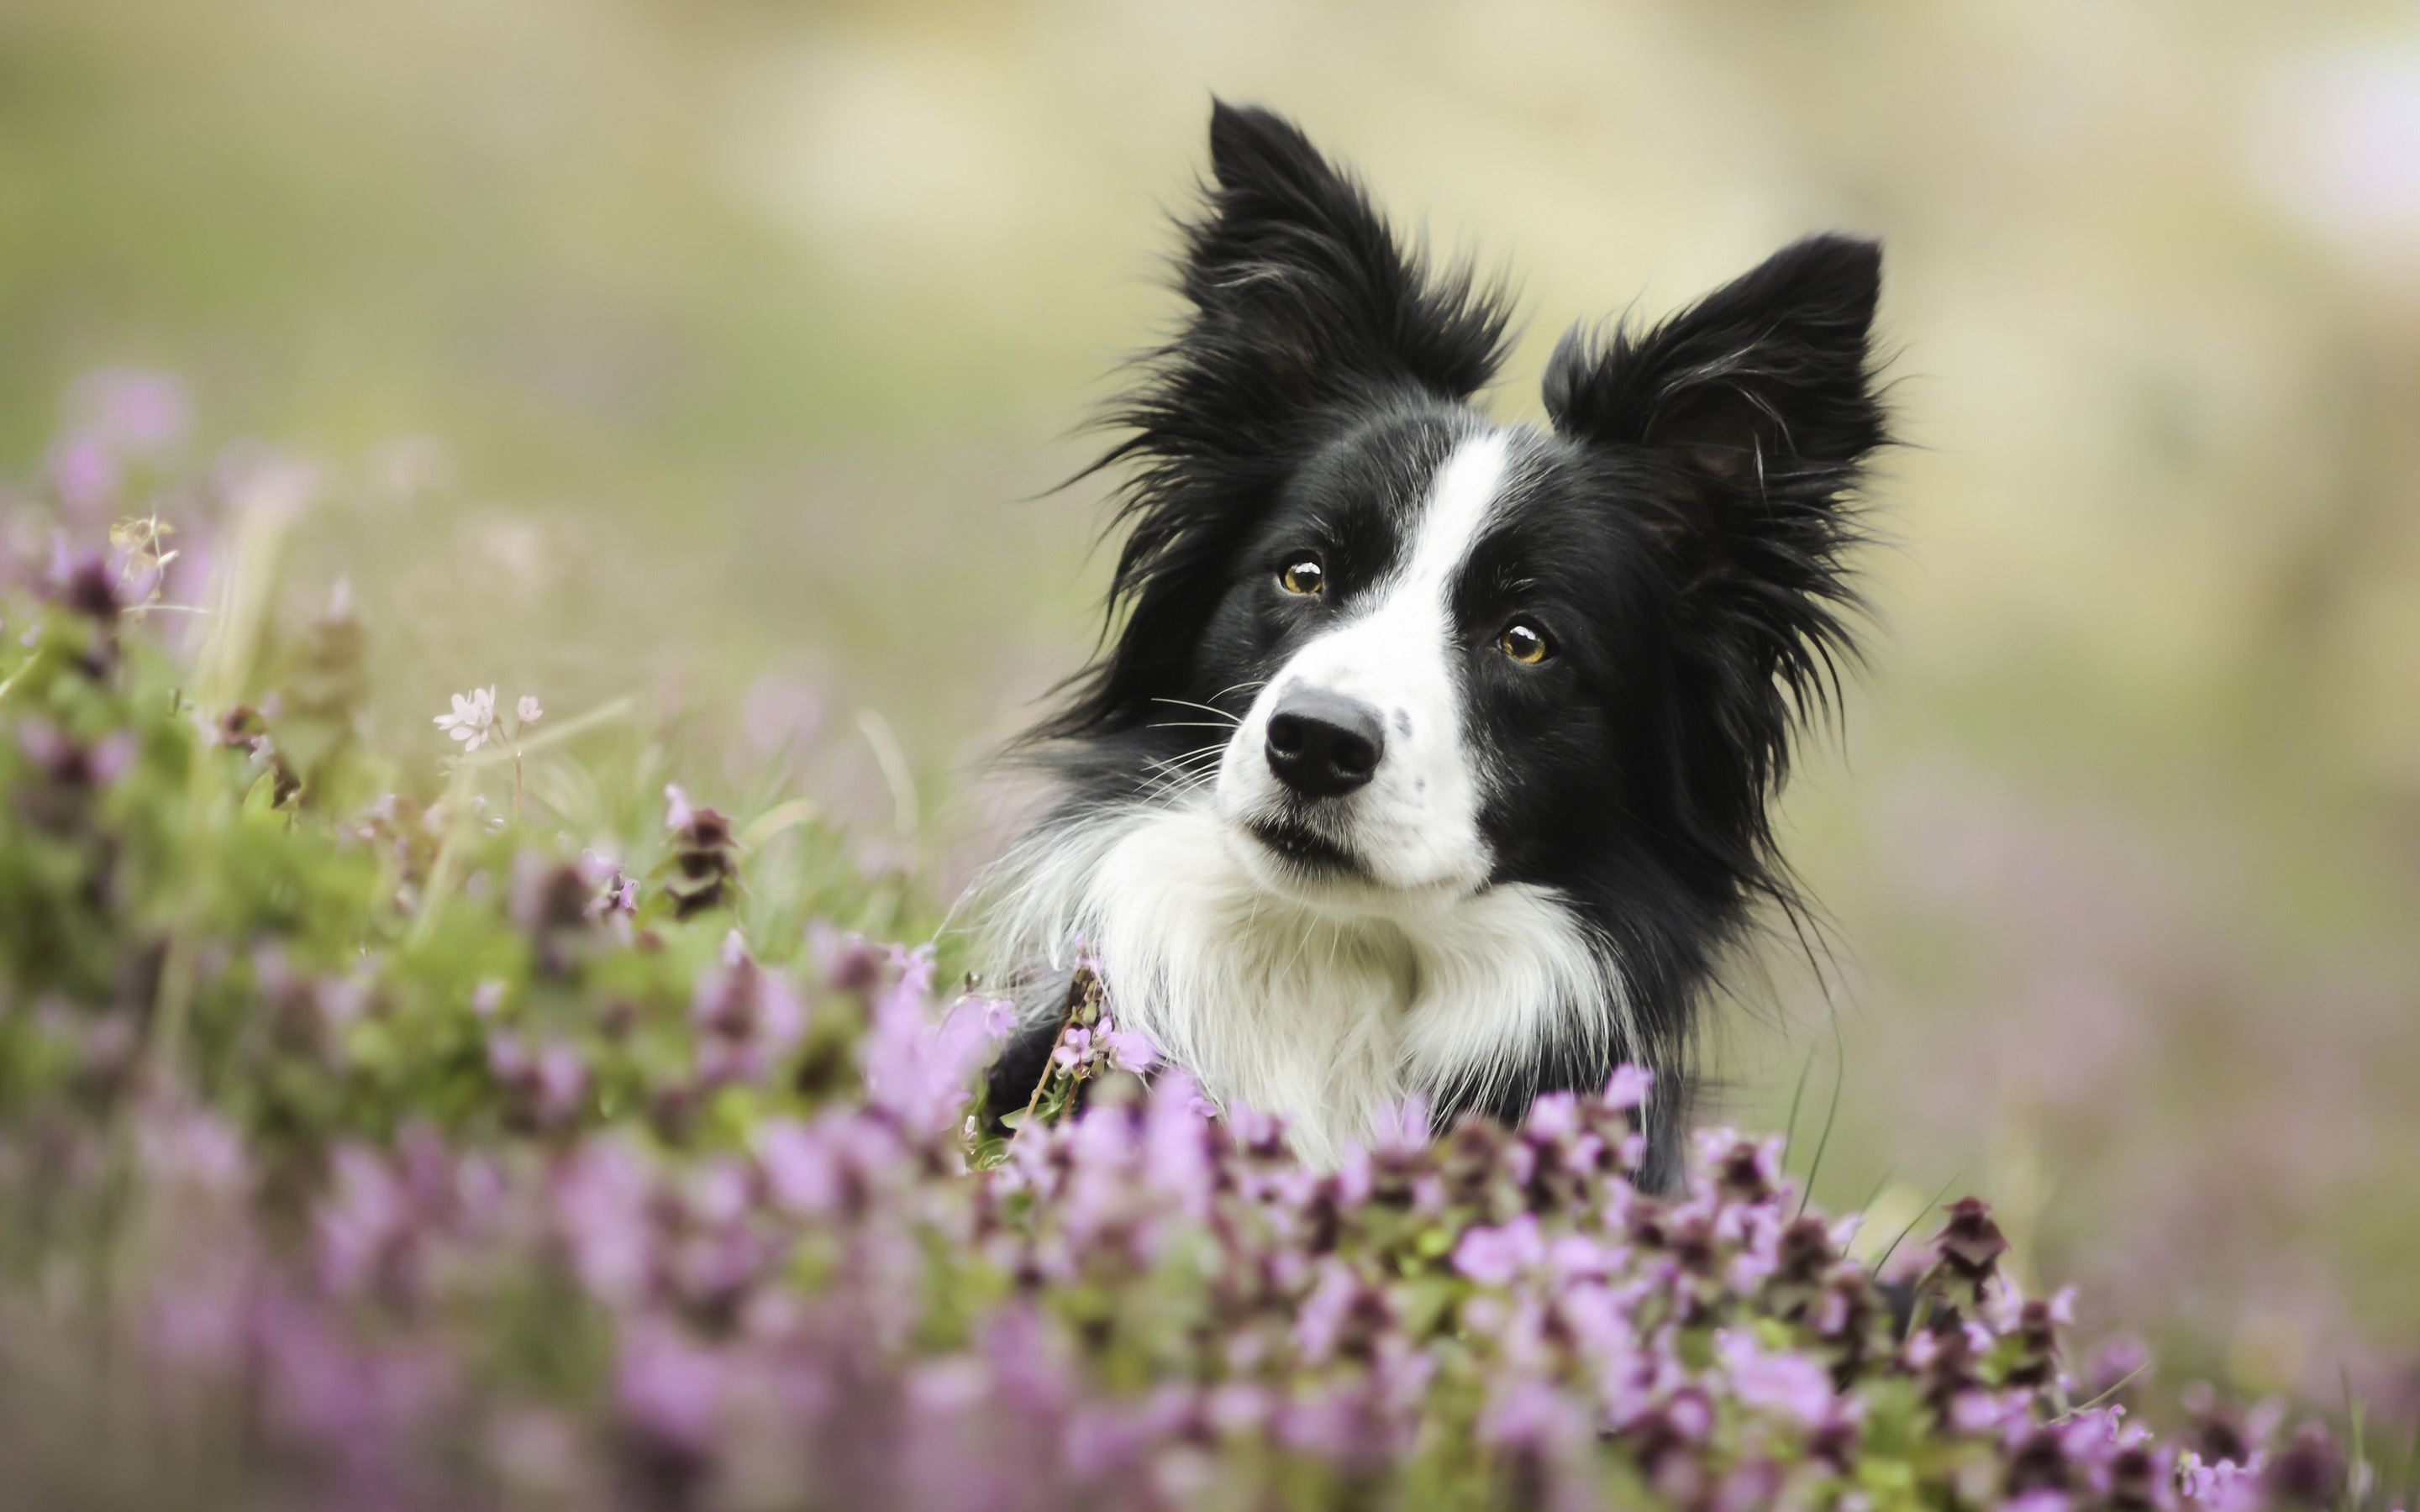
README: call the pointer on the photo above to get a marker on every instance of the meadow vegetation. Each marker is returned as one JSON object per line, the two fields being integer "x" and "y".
{"x": 560, "y": 1141}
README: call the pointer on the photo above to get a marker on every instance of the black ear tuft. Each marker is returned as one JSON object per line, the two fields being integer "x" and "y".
{"x": 1304, "y": 308}
{"x": 1753, "y": 413}
{"x": 1770, "y": 371}
{"x": 1252, "y": 149}
{"x": 1303, "y": 295}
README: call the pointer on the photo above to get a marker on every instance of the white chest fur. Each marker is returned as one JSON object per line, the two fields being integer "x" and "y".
{"x": 1322, "y": 1016}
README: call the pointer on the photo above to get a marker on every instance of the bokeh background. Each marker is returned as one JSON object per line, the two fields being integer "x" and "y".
{"x": 724, "y": 352}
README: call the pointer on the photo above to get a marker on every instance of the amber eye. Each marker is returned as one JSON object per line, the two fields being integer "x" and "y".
{"x": 1523, "y": 643}
{"x": 1304, "y": 577}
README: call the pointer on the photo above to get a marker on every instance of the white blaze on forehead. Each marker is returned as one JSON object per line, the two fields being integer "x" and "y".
{"x": 1459, "y": 503}
{"x": 1416, "y": 825}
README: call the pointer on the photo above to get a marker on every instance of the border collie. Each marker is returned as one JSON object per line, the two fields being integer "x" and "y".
{"x": 1427, "y": 756}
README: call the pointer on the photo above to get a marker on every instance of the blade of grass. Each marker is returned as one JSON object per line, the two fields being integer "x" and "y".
{"x": 1884, "y": 1259}
{"x": 894, "y": 762}
{"x": 461, "y": 818}
{"x": 1867, "y": 1206}
{"x": 243, "y": 590}
{"x": 2115, "y": 1387}
{"x": 8, "y": 684}
{"x": 1790, "y": 1130}
{"x": 773, "y": 821}
{"x": 605, "y": 713}
{"x": 1840, "y": 1074}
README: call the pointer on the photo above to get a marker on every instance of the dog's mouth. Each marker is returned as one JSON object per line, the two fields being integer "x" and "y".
{"x": 1306, "y": 853}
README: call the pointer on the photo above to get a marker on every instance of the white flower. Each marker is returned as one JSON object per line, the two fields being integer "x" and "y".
{"x": 473, "y": 718}
{"x": 527, "y": 708}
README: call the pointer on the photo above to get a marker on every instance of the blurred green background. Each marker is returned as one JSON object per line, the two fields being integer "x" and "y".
{"x": 723, "y": 351}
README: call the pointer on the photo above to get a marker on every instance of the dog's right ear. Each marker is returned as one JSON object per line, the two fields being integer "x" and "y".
{"x": 1303, "y": 301}
{"x": 1303, "y": 296}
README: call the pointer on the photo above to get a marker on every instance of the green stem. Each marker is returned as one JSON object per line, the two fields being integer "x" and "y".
{"x": 449, "y": 853}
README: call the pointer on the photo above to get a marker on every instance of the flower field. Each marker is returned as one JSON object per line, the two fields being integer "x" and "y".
{"x": 562, "y": 1141}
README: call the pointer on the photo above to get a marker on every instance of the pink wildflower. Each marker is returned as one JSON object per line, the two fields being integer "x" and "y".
{"x": 1783, "y": 1382}
{"x": 1493, "y": 1254}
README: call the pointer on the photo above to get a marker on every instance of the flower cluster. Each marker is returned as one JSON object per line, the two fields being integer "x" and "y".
{"x": 473, "y": 720}
{"x": 1146, "y": 1305}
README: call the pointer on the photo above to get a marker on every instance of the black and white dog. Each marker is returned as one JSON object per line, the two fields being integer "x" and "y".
{"x": 1428, "y": 755}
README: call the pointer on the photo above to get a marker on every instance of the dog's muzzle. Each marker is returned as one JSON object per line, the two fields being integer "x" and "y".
{"x": 1324, "y": 745}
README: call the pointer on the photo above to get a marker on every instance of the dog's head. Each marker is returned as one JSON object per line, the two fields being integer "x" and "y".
{"x": 1407, "y": 653}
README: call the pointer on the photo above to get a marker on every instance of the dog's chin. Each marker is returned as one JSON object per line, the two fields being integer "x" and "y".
{"x": 1293, "y": 860}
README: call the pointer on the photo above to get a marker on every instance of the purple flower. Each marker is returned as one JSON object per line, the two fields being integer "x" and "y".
{"x": 72, "y": 765}
{"x": 1533, "y": 1414}
{"x": 1554, "y": 1116}
{"x": 1132, "y": 1050}
{"x": 1102, "y": 1438}
{"x": 1629, "y": 1086}
{"x": 1493, "y": 1254}
{"x": 1334, "y": 1422}
{"x": 1075, "y": 1046}
{"x": 1401, "y": 1128}
{"x": 509, "y": 1059}
{"x": 537, "y": 1452}
{"x": 801, "y": 1169}
{"x": 600, "y": 1208}
{"x": 86, "y": 475}
{"x": 1237, "y": 1408}
{"x": 717, "y": 1191}
{"x": 1325, "y": 1313}
{"x": 562, "y": 1080}
{"x": 325, "y": 1386}
{"x": 194, "y": 1148}
{"x": 366, "y": 1212}
{"x": 670, "y": 1387}
{"x": 1979, "y": 1412}
{"x": 1176, "y": 1150}
{"x": 130, "y": 411}
{"x": 1781, "y": 1383}
{"x": 920, "y": 1070}
{"x": 1575, "y": 1256}
{"x": 2307, "y": 1473}
{"x": 847, "y": 962}
{"x": 1743, "y": 1170}
{"x": 1971, "y": 1243}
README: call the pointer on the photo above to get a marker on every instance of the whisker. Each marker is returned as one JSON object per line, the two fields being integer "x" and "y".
{"x": 1190, "y": 756}
{"x": 1173, "y": 777}
{"x": 1184, "y": 768}
{"x": 1180, "y": 777}
{"x": 1176, "y": 785}
{"x": 1207, "y": 709}
{"x": 1189, "y": 724}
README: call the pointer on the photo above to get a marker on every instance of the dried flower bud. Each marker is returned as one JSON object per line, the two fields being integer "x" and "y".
{"x": 704, "y": 865}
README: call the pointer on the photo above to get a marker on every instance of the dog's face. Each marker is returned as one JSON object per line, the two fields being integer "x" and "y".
{"x": 1442, "y": 653}
{"x": 1424, "y": 636}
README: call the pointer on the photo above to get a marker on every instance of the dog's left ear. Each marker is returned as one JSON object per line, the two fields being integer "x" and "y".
{"x": 1756, "y": 411}
{"x": 1303, "y": 296}
{"x": 1760, "y": 396}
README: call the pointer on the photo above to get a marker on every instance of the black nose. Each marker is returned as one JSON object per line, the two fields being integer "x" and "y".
{"x": 1322, "y": 745}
